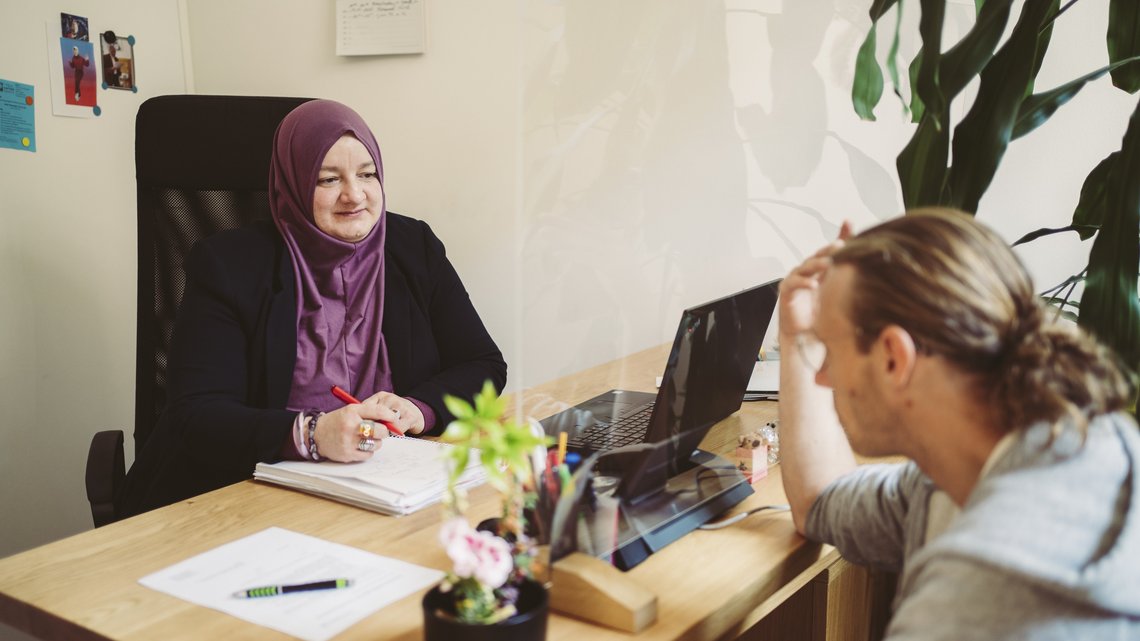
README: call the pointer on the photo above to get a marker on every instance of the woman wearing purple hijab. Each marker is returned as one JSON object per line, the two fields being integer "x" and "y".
{"x": 337, "y": 291}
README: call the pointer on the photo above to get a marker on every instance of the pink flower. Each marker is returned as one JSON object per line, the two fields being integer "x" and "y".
{"x": 481, "y": 555}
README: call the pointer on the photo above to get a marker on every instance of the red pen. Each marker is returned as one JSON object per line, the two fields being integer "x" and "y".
{"x": 350, "y": 399}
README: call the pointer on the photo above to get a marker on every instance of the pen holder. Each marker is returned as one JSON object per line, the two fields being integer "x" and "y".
{"x": 752, "y": 462}
{"x": 593, "y": 590}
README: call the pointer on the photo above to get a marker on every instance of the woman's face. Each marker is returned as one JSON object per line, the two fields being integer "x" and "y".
{"x": 348, "y": 199}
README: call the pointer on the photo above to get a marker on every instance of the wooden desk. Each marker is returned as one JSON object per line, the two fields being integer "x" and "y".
{"x": 710, "y": 584}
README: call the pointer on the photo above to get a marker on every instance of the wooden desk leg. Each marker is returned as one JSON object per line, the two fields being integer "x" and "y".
{"x": 883, "y": 586}
{"x": 846, "y": 602}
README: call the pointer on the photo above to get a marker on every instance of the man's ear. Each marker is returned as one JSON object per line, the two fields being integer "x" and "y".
{"x": 898, "y": 355}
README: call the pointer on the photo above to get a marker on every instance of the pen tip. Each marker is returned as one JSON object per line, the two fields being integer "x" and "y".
{"x": 240, "y": 595}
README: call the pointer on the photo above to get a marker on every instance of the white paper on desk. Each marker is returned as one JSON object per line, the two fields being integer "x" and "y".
{"x": 765, "y": 377}
{"x": 276, "y": 556}
{"x": 764, "y": 382}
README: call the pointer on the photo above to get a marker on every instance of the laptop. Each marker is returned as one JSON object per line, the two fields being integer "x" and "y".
{"x": 712, "y": 358}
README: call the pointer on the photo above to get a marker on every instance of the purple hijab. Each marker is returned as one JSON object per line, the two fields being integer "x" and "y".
{"x": 340, "y": 285}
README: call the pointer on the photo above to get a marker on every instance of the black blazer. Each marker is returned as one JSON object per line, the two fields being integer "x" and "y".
{"x": 235, "y": 345}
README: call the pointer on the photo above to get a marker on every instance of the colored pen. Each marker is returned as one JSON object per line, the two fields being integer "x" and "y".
{"x": 564, "y": 480}
{"x": 345, "y": 397}
{"x": 573, "y": 459}
{"x": 551, "y": 482}
{"x": 562, "y": 447}
{"x": 274, "y": 590}
{"x": 549, "y": 474}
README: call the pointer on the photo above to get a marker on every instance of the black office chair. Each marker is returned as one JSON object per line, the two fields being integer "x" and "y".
{"x": 201, "y": 165}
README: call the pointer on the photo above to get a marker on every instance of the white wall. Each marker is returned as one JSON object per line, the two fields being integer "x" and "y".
{"x": 593, "y": 166}
{"x": 674, "y": 152}
{"x": 67, "y": 267}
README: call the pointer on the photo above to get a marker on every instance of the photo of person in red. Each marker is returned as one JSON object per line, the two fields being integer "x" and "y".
{"x": 78, "y": 81}
{"x": 78, "y": 64}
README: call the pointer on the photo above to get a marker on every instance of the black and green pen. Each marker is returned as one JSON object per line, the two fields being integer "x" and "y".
{"x": 274, "y": 590}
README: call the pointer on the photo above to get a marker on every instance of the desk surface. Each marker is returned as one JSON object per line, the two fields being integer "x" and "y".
{"x": 86, "y": 586}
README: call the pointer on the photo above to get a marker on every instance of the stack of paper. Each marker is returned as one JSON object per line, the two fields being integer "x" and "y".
{"x": 764, "y": 385}
{"x": 403, "y": 476}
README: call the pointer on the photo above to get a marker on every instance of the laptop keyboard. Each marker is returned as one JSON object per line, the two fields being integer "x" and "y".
{"x": 624, "y": 430}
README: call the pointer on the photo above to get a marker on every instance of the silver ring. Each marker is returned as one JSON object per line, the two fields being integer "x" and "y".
{"x": 397, "y": 414}
{"x": 366, "y": 445}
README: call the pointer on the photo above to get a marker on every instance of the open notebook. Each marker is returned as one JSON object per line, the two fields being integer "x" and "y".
{"x": 404, "y": 475}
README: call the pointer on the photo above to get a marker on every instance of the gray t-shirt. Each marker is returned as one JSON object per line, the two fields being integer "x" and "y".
{"x": 1046, "y": 547}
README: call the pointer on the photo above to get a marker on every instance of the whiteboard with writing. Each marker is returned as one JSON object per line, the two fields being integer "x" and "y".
{"x": 379, "y": 27}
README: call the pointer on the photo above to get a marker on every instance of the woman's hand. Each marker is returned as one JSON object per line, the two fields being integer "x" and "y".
{"x": 338, "y": 433}
{"x": 397, "y": 410}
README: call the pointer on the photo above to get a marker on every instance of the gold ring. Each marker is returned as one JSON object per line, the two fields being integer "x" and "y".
{"x": 367, "y": 429}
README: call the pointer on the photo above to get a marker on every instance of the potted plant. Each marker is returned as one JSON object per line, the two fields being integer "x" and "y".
{"x": 491, "y": 592}
{"x": 952, "y": 163}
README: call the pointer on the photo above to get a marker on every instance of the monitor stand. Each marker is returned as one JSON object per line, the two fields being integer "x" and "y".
{"x": 689, "y": 500}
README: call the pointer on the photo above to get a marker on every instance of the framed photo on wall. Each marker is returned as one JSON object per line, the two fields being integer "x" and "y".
{"x": 118, "y": 61}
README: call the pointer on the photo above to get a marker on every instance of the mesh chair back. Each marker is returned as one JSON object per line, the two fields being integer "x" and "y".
{"x": 202, "y": 165}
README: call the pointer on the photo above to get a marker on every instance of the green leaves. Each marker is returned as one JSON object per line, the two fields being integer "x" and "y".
{"x": 966, "y": 59}
{"x": 879, "y": 7}
{"x": 504, "y": 445}
{"x": 927, "y": 83}
{"x": 1093, "y": 206}
{"x": 1005, "y": 109}
{"x": 917, "y": 109}
{"x": 1084, "y": 230}
{"x": 981, "y": 139}
{"x": 868, "y": 86}
{"x": 922, "y": 164}
{"x": 893, "y": 57}
{"x": 1124, "y": 42}
{"x": 1036, "y": 109}
{"x": 1110, "y": 308}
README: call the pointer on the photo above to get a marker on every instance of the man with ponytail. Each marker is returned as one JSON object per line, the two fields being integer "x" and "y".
{"x": 1017, "y": 513}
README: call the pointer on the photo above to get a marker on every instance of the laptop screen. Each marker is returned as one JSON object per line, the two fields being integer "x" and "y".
{"x": 713, "y": 355}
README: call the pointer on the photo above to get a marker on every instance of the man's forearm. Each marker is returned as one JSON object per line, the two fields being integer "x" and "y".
{"x": 813, "y": 448}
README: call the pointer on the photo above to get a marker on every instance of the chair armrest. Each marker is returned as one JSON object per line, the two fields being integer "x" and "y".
{"x": 105, "y": 473}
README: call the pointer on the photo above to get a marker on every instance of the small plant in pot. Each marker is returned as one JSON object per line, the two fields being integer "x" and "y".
{"x": 490, "y": 592}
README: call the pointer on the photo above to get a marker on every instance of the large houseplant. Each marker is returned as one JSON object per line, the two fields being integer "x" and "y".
{"x": 491, "y": 591}
{"x": 1007, "y": 107}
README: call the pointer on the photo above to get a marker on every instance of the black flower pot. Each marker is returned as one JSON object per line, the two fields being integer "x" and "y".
{"x": 529, "y": 624}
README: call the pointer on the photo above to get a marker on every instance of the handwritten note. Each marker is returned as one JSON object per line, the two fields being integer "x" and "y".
{"x": 379, "y": 27}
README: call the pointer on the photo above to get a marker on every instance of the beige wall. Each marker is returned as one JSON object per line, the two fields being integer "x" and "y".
{"x": 67, "y": 267}
{"x": 593, "y": 166}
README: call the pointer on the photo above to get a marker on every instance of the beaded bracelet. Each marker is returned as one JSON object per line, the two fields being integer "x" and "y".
{"x": 316, "y": 455}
